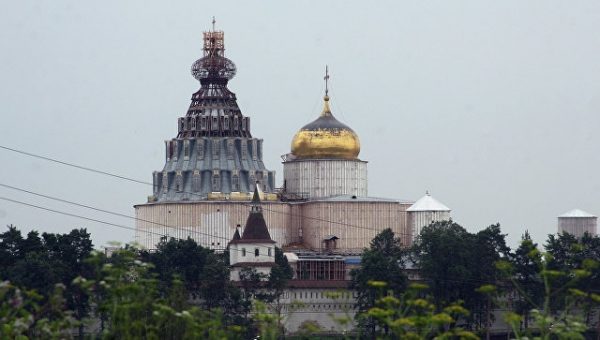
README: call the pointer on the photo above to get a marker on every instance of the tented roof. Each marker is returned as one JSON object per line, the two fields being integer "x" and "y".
{"x": 428, "y": 203}
{"x": 577, "y": 213}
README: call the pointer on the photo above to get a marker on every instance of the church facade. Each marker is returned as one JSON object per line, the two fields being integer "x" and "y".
{"x": 214, "y": 163}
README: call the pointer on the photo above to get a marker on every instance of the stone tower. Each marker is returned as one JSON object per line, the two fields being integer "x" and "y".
{"x": 214, "y": 151}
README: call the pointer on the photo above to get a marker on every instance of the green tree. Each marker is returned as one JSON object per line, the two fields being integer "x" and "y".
{"x": 136, "y": 309}
{"x": 526, "y": 262}
{"x": 489, "y": 248}
{"x": 443, "y": 253}
{"x": 455, "y": 264}
{"x": 412, "y": 315}
{"x": 182, "y": 259}
{"x": 11, "y": 242}
{"x": 567, "y": 255}
{"x": 382, "y": 261}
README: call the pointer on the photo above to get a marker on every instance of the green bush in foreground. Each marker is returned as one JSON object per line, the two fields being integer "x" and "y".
{"x": 414, "y": 317}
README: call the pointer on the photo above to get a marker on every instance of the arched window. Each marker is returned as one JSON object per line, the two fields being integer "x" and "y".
{"x": 269, "y": 251}
{"x": 256, "y": 252}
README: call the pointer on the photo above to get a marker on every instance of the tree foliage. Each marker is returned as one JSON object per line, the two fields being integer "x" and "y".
{"x": 383, "y": 262}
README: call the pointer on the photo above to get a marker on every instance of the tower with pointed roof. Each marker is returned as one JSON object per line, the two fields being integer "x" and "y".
{"x": 254, "y": 248}
{"x": 578, "y": 222}
{"x": 214, "y": 152}
{"x": 425, "y": 211}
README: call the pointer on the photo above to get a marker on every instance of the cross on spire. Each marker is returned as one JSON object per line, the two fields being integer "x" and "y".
{"x": 326, "y": 78}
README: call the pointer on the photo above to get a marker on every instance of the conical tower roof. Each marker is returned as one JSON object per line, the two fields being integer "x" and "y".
{"x": 427, "y": 203}
{"x": 214, "y": 110}
{"x": 576, "y": 213}
{"x": 256, "y": 230}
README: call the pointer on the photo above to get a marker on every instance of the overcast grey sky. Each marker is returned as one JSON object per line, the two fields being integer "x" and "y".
{"x": 492, "y": 106}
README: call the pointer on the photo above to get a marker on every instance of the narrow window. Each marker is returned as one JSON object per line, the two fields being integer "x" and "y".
{"x": 235, "y": 183}
{"x": 215, "y": 149}
{"x": 165, "y": 181}
{"x": 186, "y": 149}
{"x": 178, "y": 181}
{"x": 200, "y": 148}
{"x": 244, "y": 149}
{"x": 196, "y": 181}
{"x": 216, "y": 181}
{"x": 254, "y": 147}
{"x": 256, "y": 252}
{"x": 243, "y": 251}
{"x": 155, "y": 182}
{"x": 215, "y": 124}
{"x": 230, "y": 148}
{"x": 174, "y": 150}
{"x": 269, "y": 251}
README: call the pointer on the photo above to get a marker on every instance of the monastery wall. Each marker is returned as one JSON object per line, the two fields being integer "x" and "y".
{"x": 210, "y": 223}
{"x": 354, "y": 223}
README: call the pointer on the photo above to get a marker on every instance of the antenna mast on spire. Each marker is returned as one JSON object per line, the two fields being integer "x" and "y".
{"x": 213, "y": 23}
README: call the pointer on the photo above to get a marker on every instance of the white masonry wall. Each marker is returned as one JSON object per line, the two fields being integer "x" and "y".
{"x": 419, "y": 219}
{"x": 578, "y": 226}
{"x": 314, "y": 178}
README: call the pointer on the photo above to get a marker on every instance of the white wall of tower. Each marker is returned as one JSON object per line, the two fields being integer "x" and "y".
{"x": 314, "y": 178}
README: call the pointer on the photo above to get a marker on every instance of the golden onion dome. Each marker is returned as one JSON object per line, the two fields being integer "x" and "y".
{"x": 326, "y": 137}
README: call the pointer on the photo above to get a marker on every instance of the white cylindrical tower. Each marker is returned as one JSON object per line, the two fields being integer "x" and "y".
{"x": 577, "y": 222}
{"x": 425, "y": 211}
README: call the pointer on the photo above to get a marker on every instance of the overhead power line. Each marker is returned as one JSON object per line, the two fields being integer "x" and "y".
{"x": 114, "y": 175}
{"x": 81, "y": 167}
{"x": 93, "y": 219}
{"x": 105, "y": 211}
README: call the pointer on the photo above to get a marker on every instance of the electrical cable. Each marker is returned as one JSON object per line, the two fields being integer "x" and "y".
{"x": 106, "y": 173}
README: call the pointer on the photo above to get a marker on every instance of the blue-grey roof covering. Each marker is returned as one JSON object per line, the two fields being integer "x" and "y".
{"x": 214, "y": 150}
{"x": 198, "y": 166}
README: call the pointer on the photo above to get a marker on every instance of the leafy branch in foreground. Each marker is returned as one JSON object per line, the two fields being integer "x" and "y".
{"x": 412, "y": 316}
{"x": 24, "y": 314}
{"x": 568, "y": 322}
